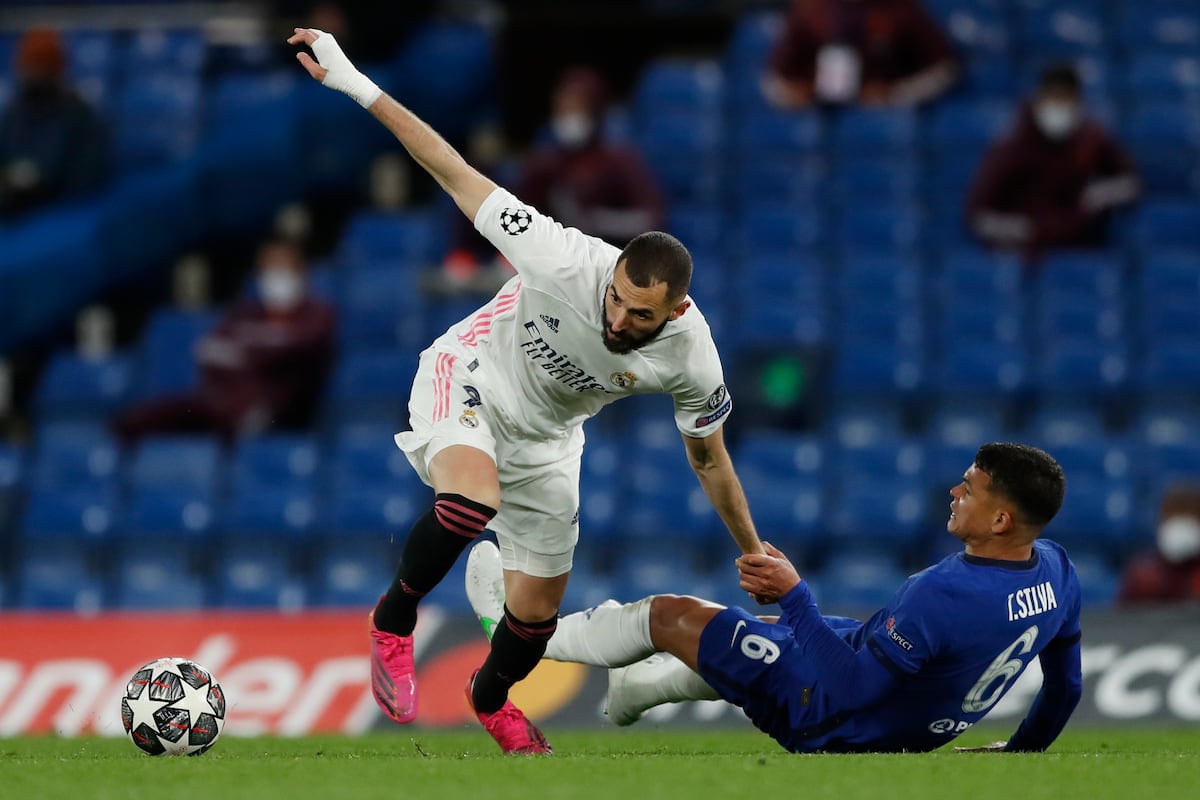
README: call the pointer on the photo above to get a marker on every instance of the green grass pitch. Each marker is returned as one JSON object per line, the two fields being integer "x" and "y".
{"x": 627, "y": 765}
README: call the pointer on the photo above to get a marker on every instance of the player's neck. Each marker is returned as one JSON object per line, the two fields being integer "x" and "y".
{"x": 999, "y": 550}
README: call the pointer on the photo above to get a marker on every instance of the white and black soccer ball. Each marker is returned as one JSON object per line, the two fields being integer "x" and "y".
{"x": 515, "y": 221}
{"x": 173, "y": 706}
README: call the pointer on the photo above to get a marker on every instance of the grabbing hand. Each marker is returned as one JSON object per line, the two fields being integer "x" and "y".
{"x": 332, "y": 68}
{"x": 767, "y": 576}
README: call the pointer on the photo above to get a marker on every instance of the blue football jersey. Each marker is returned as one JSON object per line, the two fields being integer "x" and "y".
{"x": 956, "y": 636}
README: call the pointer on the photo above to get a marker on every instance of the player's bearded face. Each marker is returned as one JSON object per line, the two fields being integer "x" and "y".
{"x": 634, "y": 315}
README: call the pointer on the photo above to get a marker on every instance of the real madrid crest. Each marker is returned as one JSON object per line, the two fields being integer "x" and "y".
{"x": 623, "y": 380}
{"x": 468, "y": 419}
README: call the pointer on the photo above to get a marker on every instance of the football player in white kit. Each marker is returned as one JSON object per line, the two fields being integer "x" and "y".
{"x": 499, "y": 401}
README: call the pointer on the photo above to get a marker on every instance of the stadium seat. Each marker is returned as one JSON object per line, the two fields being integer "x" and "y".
{"x": 57, "y": 579}
{"x": 796, "y": 182}
{"x": 858, "y": 584}
{"x": 1170, "y": 366}
{"x": 966, "y": 126}
{"x": 249, "y": 575}
{"x": 175, "y": 462}
{"x": 77, "y": 387}
{"x": 179, "y": 51}
{"x": 158, "y": 118}
{"x": 891, "y": 368}
{"x": 859, "y": 132}
{"x": 372, "y": 381}
{"x": 1080, "y": 367}
{"x": 374, "y": 510}
{"x": 973, "y": 367}
{"x": 155, "y": 575}
{"x": 888, "y": 511}
{"x": 761, "y": 230}
{"x": 285, "y": 511}
{"x": 1097, "y": 512}
{"x": 1060, "y": 30}
{"x": 163, "y": 511}
{"x": 406, "y": 241}
{"x": 165, "y": 362}
{"x": 74, "y": 453}
{"x": 1099, "y": 458}
{"x": 1074, "y": 315}
{"x": 789, "y": 510}
{"x": 862, "y": 182}
{"x": 766, "y": 137}
{"x": 92, "y": 58}
{"x": 1171, "y": 77}
{"x": 664, "y": 498}
{"x": 289, "y": 459}
{"x": 885, "y": 456}
{"x": 352, "y": 573}
{"x": 1098, "y": 580}
{"x": 83, "y": 513}
{"x": 1167, "y": 223}
{"x": 1157, "y": 27}
{"x": 679, "y": 86}
{"x": 381, "y": 311}
{"x": 1054, "y": 424}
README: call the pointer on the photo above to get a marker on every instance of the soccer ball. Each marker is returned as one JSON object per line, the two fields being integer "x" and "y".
{"x": 173, "y": 706}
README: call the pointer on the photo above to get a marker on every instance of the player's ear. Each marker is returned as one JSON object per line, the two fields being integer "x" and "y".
{"x": 677, "y": 312}
{"x": 1003, "y": 521}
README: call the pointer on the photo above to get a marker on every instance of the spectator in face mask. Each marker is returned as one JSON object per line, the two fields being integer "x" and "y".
{"x": 582, "y": 180}
{"x": 879, "y": 52}
{"x": 1171, "y": 572}
{"x": 263, "y": 365}
{"x": 53, "y": 146}
{"x": 1050, "y": 181}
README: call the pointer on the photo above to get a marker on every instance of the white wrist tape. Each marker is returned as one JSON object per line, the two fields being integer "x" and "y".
{"x": 342, "y": 75}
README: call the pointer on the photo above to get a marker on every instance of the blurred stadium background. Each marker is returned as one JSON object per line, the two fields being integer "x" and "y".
{"x": 870, "y": 345}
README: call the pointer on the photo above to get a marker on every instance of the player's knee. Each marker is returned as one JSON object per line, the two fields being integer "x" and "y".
{"x": 670, "y": 612}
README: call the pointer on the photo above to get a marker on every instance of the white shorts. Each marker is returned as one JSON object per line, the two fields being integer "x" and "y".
{"x": 538, "y": 521}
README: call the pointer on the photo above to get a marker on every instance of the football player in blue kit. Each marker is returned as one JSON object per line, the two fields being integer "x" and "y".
{"x": 948, "y": 645}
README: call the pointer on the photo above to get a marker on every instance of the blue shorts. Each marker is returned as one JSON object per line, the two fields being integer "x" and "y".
{"x": 759, "y": 666}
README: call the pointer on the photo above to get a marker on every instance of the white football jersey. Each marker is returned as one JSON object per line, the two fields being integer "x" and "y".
{"x": 536, "y": 350}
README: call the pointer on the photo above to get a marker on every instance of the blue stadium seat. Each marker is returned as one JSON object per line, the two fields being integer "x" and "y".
{"x": 664, "y": 497}
{"x": 1099, "y": 458}
{"x": 966, "y": 422}
{"x": 175, "y": 462}
{"x": 1067, "y": 366}
{"x": 83, "y": 513}
{"x": 861, "y": 132}
{"x": 890, "y": 368}
{"x": 1157, "y": 27}
{"x": 763, "y": 453}
{"x": 975, "y": 27}
{"x": 965, "y": 269}
{"x": 885, "y": 456}
{"x": 373, "y": 380}
{"x": 677, "y": 85}
{"x": 92, "y": 57}
{"x": 858, "y": 583}
{"x": 699, "y": 227}
{"x": 352, "y": 573}
{"x": 1169, "y": 272}
{"x": 889, "y": 511}
{"x": 155, "y": 575}
{"x": 859, "y": 183}
{"x": 375, "y": 510}
{"x": 789, "y": 510}
{"x": 72, "y": 453}
{"x": 754, "y": 35}
{"x": 969, "y": 125}
{"x": 77, "y": 387}
{"x": 286, "y": 511}
{"x": 1097, "y": 512}
{"x": 57, "y": 579}
{"x": 1062, "y": 29}
{"x": 267, "y": 461}
{"x": 165, "y": 361}
{"x": 1167, "y": 223}
{"x": 12, "y": 468}
{"x": 1170, "y": 366}
{"x": 406, "y": 240}
{"x": 1162, "y": 76}
{"x": 1075, "y": 315}
{"x": 1068, "y": 424}
{"x": 796, "y": 182}
{"x": 766, "y": 137}
{"x": 163, "y": 511}
{"x": 763, "y": 230}
{"x": 891, "y": 321}
{"x": 590, "y": 586}
{"x": 683, "y": 151}
{"x": 380, "y": 311}
{"x": 249, "y": 575}
{"x": 1163, "y": 137}
{"x": 158, "y": 118}
{"x": 1168, "y": 318}
{"x": 1098, "y": 580}
{"x": 974, "y": 367}
{"x": 241, "y": 93}
{"x": 1096, "y": 275}
{"x": 162, "y": 50}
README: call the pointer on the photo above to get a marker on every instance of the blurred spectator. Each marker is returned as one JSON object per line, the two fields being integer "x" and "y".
{"x": 578, "y": 177}
{"x": 53, "y": 145}
{"x": 1171, "y": 572}
{"x": 1051, "y": 180}
{"x": 869, "y": 51}
{"x": 262, "y": 367}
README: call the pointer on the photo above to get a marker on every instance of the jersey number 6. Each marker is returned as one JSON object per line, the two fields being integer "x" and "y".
{"x": 1004, "y": 668}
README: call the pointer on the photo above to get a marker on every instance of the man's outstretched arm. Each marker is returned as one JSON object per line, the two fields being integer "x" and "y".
{"x": 332, "y": 68}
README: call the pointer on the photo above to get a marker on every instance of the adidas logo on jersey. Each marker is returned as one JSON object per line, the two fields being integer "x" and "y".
{"x": 551, "y": 322}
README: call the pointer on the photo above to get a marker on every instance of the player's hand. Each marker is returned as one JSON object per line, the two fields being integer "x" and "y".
{"x": 767, "y": 575}
{"x": 993, "y": 747}
{"x": 332, "y": 68}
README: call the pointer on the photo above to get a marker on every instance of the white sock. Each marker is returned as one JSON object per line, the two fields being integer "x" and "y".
{"x": 609, "y": 635}
{"x": 661, "y": 678}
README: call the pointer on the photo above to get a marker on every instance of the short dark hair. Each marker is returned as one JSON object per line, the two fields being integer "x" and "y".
{"x": 1061, "y": 76}
{"x": 1027, "y": 476}
{"x": 657, "y": 257}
